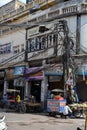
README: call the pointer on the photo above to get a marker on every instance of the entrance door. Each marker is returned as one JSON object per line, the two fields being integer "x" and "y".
{"x": 36, "y": 90}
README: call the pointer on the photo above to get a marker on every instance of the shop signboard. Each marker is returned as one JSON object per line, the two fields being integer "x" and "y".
{"x": 19, "y": 70}
{"x": 35, "y": 76}
{"x": 19, "y": 82}
{"x": 54, "y": 70}
{"x": 55, "y": 78}
{"x": 34, "y": 73}
{"x": 55, "y": 105}
{"x": 33, "y": 70}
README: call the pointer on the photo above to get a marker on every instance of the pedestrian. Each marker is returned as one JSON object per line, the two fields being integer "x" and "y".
{"x": 18, "y": 102}
{"x": 67, "y": 111}
{"x": 18, "y": 99}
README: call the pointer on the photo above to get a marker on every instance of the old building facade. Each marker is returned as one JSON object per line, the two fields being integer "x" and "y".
{"x": 44, "y": 50}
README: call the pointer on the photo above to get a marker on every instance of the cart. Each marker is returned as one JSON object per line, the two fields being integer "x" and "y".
{"x": 55, "y": 107}
{"x": 79, "y": 110}
{"x": 32, "y": 106}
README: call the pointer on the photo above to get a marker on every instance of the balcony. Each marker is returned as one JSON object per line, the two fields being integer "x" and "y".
{"x": 84, "y": 6}
{"x": 69, "y": 9}
{"x": 47, "y": 3}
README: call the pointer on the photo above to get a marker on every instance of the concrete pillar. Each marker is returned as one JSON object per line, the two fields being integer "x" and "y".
{"x": 5, "y": 87}
{"x": 27, "y": 89}
{"x": 44, "y": 89}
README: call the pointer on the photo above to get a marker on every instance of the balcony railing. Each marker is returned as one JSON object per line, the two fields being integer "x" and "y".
{"x": 54, "y": 12}
{"x": 84, "y": 6}
{"x": 26, "y": 8}
{"x": 69, "y": 9}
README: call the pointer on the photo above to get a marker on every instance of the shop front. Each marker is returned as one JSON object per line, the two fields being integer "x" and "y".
{"x": 81, "y": 84}
{"x": 54, "y": 74}
{"x": 19, "y": 84}
{"x": 34, "y": 77}
{"x": 2, "y": 75}
{"x": 15, "y": 80}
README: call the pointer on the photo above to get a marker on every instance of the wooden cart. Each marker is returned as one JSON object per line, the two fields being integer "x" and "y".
{"x": 32, "y": 106}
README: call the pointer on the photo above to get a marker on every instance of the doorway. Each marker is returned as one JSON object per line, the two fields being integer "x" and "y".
{"x": 36, "y": 90}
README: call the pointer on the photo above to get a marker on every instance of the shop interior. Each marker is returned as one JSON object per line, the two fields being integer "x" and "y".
{"x": 82, "y": 91}
{"x": 36, "y": 90}
{"x": 55, "y": 82}
{"x": 1, "y": 87}
{"x": 18, "y": 89}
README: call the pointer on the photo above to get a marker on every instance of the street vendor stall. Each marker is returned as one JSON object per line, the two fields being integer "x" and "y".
{"x": 55, "y": 106}
{"x": 32, "y": 106}
{"x": 79, "y": 109}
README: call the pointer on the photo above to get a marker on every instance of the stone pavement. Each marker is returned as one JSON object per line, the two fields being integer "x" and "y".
{"x": 40, "y": 121}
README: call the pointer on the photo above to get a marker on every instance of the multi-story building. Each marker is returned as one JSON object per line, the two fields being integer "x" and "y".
{"x": 12, "y": 43}
{"x": 48, "y": 47}
{"x": 44, "y": 50}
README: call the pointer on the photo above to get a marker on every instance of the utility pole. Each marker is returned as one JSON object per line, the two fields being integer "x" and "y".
{"x": 62, "y": 29}
{"x": 66, "y": 56}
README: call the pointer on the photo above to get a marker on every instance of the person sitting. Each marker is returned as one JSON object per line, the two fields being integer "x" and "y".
{"x": 58, "y": 97}
{"x": 67, "y": 111}
{"x": 61, "y": 96}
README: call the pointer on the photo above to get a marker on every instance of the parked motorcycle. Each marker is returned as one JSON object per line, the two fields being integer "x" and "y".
{"x": 3, "y": 125}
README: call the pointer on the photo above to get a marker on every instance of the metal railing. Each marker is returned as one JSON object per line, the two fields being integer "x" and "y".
{"x": 24, "y": 8}
{"x": 57, "y": 11}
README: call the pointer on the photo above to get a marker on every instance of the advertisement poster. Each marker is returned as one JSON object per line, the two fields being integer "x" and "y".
{"x": 19, "y": 70}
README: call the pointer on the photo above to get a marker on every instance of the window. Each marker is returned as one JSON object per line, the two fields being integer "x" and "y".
{"x": 43, "y": 40}
{"x": 6, "y": 48}
{"x": 22, "y": 47}
{"x": 16, "y": 49}
{"x": 33, "y": 45}
{"x": 49, "y": 40}
{"x": 40, "y": 42}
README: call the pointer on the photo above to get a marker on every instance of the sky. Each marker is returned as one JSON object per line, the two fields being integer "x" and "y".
{"x": 2, "y": 2}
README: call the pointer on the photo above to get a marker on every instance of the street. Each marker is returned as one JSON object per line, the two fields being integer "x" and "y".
{"x": 40, "y": 121}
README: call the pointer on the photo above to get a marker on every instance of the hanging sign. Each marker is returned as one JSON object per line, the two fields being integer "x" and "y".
{"x": 19, "y": 70}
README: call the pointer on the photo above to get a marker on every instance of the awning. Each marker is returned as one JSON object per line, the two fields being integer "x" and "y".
{"x": 13, "y": 90}
{"x": 54, "y": 70}
{"x": 82, "y": 74}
